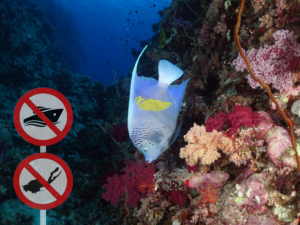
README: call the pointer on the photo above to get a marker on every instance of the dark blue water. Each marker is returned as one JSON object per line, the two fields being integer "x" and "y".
{"x": 103, "y": 31}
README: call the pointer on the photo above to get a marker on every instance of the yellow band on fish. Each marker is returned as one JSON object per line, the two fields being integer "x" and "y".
{"x": 151, "y": 104}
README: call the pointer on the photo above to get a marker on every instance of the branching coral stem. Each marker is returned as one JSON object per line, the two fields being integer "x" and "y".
{"x": 117, "y": 86}
{"x": 267, "y": 87}
{"x": 125, "y": 153}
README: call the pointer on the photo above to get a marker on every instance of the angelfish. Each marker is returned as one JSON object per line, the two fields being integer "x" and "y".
{"x": 153, "y": 109}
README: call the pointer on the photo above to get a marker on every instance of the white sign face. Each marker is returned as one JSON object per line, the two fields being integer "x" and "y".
{"x": 52, "y": 107}
{"x": 52, "y": 172}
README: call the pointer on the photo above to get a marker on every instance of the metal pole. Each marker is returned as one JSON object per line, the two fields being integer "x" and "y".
{"x": 42, "y": 212}
{"x": 42, "y": 217}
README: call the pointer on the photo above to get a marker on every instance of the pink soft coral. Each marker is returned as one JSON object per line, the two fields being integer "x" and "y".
{"x": 254, "y": 195}
{"x": 272, "y": 64}
{"x": 278, "y": 142}
{"x": 264, "y": 126}
{"x": 214, "y": 179}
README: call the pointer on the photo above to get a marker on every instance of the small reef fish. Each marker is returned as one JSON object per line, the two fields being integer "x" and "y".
{"x": 153, "y": 109}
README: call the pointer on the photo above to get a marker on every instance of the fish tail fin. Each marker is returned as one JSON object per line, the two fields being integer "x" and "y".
{"x": 168, "y": 72}
{"x": 177, "y": 92}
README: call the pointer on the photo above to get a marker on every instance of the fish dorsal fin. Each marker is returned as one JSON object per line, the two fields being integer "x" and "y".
{"x": 134, "y": 72}
{"x": 176, "y": 133}
{"x": 168, "y": 72}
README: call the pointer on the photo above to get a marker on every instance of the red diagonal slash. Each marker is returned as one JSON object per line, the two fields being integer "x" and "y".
{"x": 42, "y": 181}
{"x": 42, "y": 116}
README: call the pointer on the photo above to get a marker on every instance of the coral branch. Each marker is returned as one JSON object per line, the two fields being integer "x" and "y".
{"x": 289, "y": 122}
{"x": 117, "y": 87}
{"x": 179, "y": 24}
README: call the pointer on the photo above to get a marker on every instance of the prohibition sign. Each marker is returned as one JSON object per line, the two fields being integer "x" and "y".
{"x": 42, "y": 106}
{"x": 31, "y": 165}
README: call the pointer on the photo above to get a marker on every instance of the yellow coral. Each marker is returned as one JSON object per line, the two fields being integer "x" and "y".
{"x": 204, "y": 145}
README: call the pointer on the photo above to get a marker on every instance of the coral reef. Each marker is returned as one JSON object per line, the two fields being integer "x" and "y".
{"x": 235, "y": 159}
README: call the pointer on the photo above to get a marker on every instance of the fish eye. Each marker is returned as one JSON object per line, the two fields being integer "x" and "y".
{"x": 145, "y": 149}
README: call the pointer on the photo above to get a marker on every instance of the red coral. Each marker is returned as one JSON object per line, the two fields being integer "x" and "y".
{"x": 118, "y": 171}
{"x": 115, "y": 189}
{"x": 103, "y": 178}
{"x": 216, "y": 123}
{"x": 137, "y": 176}
{"x": 240, "y": 116}
{"x": 192, "y": 168}
{"x": 177, "y": 197}
{"x": 120, "y": 132}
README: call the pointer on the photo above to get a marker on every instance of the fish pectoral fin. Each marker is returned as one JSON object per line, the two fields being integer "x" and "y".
{"x": 156, "y": 137}
{"x": 176, "y": 133}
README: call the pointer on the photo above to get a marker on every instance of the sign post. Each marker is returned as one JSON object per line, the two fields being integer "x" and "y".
{"x": 43, "y": 117}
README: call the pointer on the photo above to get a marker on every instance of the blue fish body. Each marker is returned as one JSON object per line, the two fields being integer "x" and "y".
{"x": 153, "y": 109}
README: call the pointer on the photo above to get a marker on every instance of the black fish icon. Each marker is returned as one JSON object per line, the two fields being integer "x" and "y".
{"x": 34, "y": 185}
{"x": 52, "y": 114}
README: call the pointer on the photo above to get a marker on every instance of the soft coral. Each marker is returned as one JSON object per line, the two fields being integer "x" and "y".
{"x": 138, "y": 178}
{"x": 240, "y": 116}
{"x": 177, "y": 197}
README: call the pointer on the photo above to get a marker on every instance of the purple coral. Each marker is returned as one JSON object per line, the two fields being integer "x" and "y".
{"x": 186, "y": 23}
{"x": 272, "y": 64}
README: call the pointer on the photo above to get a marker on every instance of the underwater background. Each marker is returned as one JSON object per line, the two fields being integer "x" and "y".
{"x": 235, "y": 160}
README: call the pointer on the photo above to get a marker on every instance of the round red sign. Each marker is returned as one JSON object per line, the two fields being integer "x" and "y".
{"x": 43, "y": 181}
{"x": 43, "y": 116}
